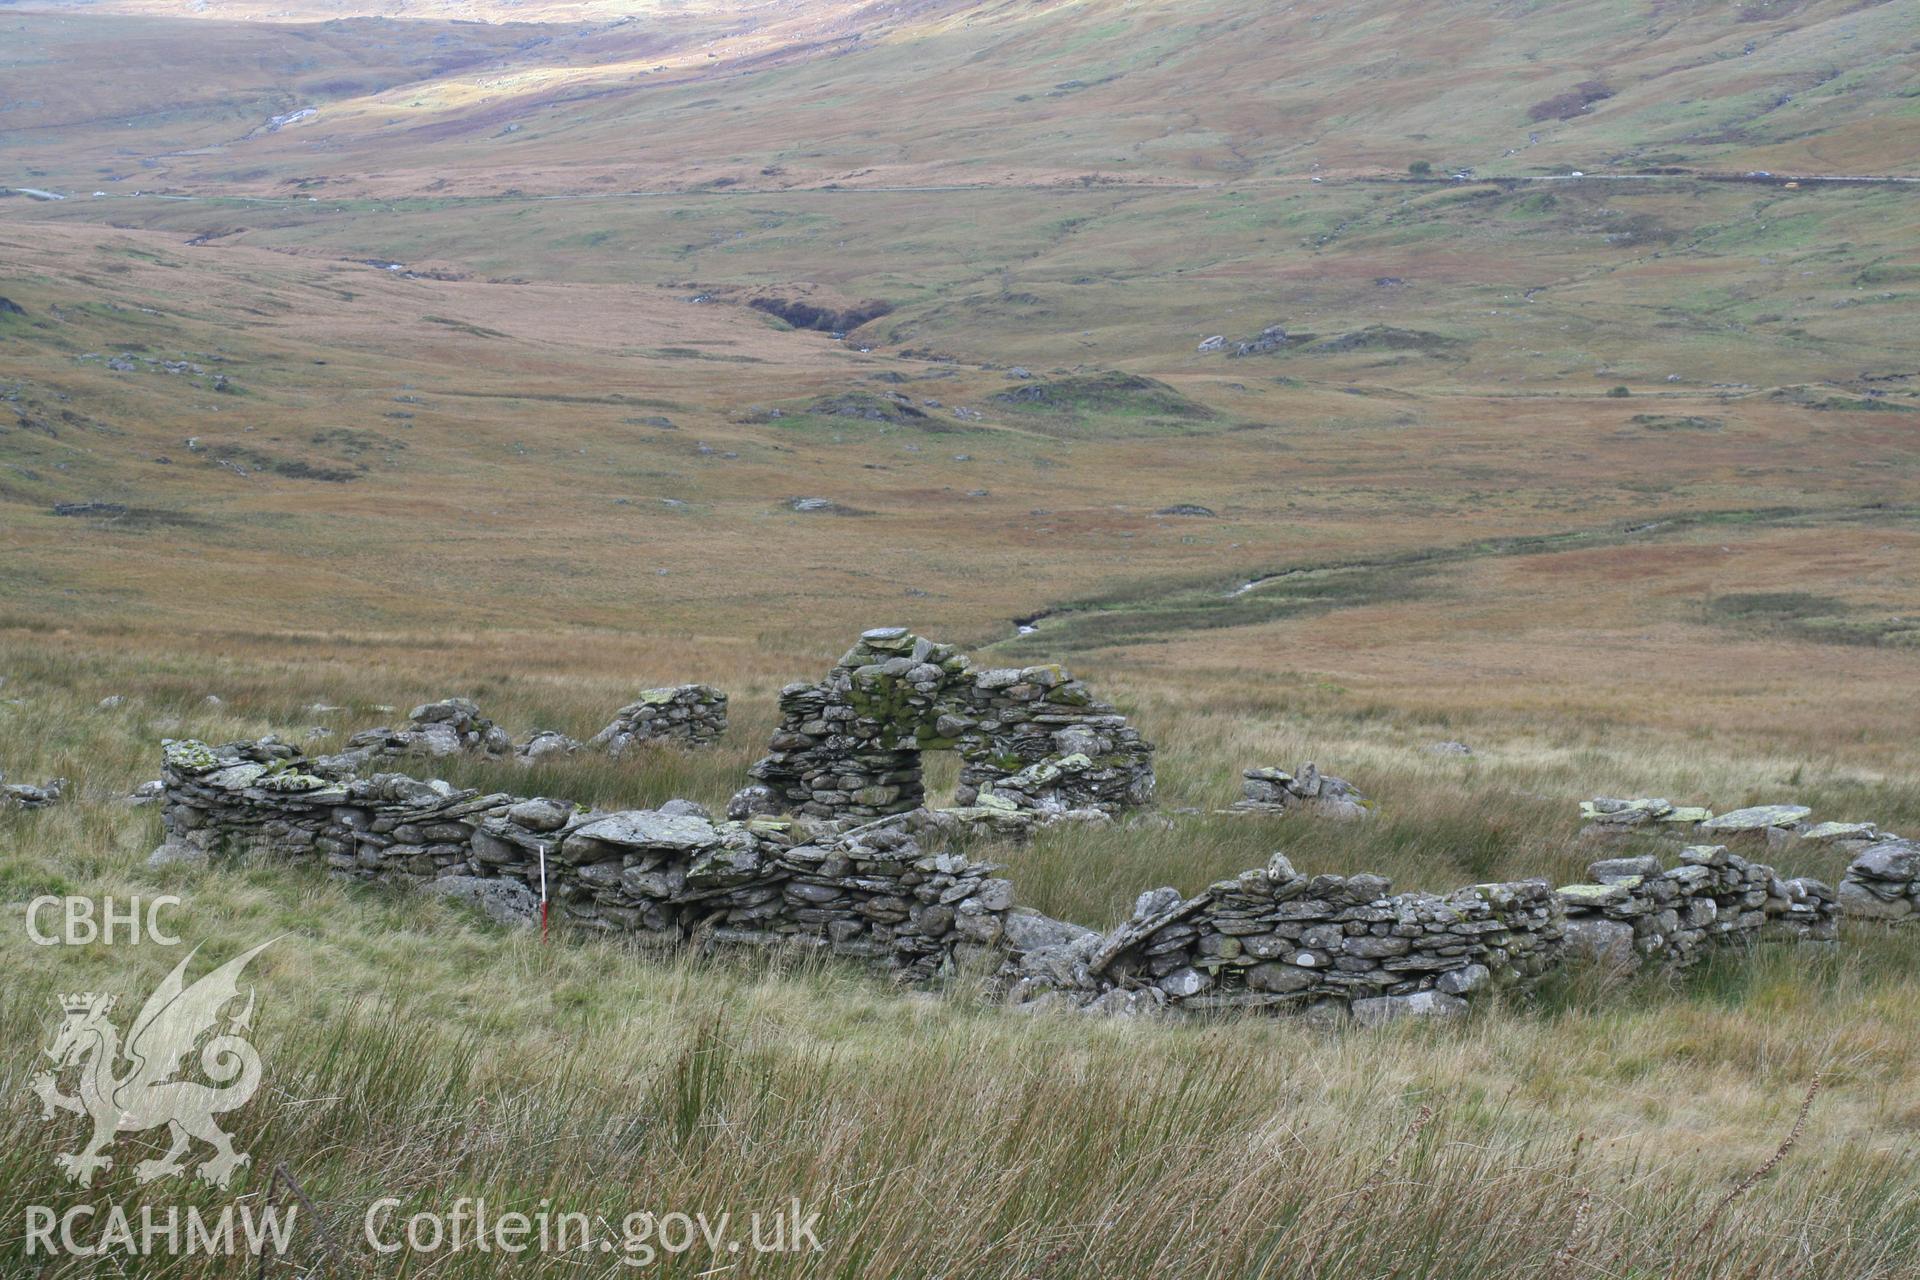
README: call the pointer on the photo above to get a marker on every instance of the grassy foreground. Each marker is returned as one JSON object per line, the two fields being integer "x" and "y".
{"x": 415, "y": 1052}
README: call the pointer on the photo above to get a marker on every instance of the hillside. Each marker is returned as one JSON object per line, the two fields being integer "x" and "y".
{"x": 1499, "y": 403}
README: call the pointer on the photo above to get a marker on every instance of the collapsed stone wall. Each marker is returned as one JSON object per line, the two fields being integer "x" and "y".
{"x": 1029, "y": 738}
{"x": 693, "y": 715}
{"x": 450, "y": 727}
{"x": 667, "y": 875}
{"x": 1635, "y": 911}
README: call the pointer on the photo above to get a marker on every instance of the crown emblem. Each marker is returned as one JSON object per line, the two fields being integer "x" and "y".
{"x": 86, "y": 1002}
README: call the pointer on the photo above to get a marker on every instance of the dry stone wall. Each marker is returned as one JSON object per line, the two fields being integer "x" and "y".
{"x": 1636, "y": 911}
{"x": 832, "y": 848}
{"x": 1029, "y": 738}
{"x": 669, "y": 875}
{"x": 1269, "y": 939}
{"x": 686, "y": 715}
{"x": 450, "y": 727}
{"x": 1272, "y": 790}
{"x": 1274, "y": 939}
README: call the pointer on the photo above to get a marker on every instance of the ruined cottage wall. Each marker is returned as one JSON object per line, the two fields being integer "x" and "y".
{"x": 667, "y": 875}
{"x": 1275, "y": 939}
{"x": 691, "y": 715}
{"x": 1268, "y": 939}
{"x": 1030, "y": 738}
{"x": 1636, "y": 910}
{"x": 1882, "y": 883}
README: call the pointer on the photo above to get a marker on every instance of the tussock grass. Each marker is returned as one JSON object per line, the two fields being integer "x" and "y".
{"x": 415, "y": 1051}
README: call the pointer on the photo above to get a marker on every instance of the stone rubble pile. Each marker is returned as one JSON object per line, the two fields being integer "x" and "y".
{"x": 22, "y": 795}
{"x": 1030, "y": 739}
{"x": 1306, "y": 789}
{"x": 1883, "y": 883}
{"x": 1635, "y": 911}
{"x": 692, "y": 715}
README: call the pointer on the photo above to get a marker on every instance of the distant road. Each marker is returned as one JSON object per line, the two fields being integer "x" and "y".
{"x": 1776, "y": 180}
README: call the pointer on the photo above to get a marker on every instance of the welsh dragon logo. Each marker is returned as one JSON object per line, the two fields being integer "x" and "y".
{"x": 145, "y": 1094}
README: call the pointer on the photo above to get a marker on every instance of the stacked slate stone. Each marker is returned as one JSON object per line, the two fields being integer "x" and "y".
{"x": 1278, "y": 940}
{"x": 1763, "y": 826}
{"x": 264, "y": 797}
{"x": 1030, "y": 739}
{"x": 450, "y": 727}
{"x": 1614, "y": 821}
{"x": 1035, "y": 739}
{"x": 669, "y": 875}
{"x": 1883, "y": 883}
{"x": 660, "y": 874}
{"x": 689, "y": 715}
{"x": 21, "y": 795}
{"x": 876, "y": 894}
{"x": 1636, "y": 912}
{"x": 1275, "y": 791}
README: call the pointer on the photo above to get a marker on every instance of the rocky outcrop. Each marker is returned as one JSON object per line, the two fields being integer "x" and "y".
{"x": 1306, "y": 789}
{"x": 1029, "y": 738}
{"x": 691, "y": 715}
{"x": 1636, "y": 911}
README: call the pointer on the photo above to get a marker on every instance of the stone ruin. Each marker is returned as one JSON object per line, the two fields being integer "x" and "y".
{"x": 670, "y": 875}
{"x": 1882, "y": 881}
{"x": 1273, "y": 939}
{"x": 1636, "y": 911}
{"x": 1306, "y": 789}
{"x": 1030, "y": 739}
{"x": 691, "y": 715}
{"x": 854, "y": 867}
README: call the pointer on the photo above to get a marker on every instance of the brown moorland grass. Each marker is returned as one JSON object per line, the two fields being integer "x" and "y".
{"x": 454, "y": 479}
